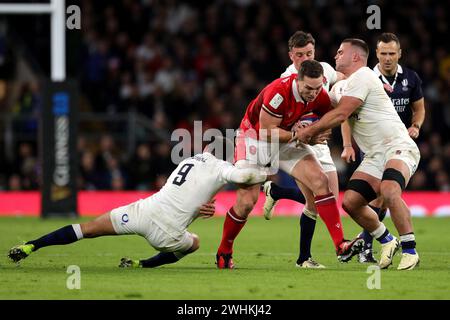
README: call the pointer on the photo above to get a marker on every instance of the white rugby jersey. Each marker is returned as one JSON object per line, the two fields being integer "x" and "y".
{"x": 329, "y": 74}
{"x": 375, "y": 123}
{"x": 193, "y": 183}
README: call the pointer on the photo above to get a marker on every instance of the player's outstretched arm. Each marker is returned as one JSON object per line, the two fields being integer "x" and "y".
{"x": 244, "y": 175}
{"x": 347, "y": 105}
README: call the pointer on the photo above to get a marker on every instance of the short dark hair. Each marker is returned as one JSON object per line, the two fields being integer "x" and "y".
{"x": 388, "y": 37}
{"x": 300, "y": 39}
{"x": 310, "y": 69}
{"x": 358, "y": 43}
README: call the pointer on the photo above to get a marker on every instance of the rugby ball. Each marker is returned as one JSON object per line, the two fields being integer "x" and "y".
{"x": 308, "y": 118}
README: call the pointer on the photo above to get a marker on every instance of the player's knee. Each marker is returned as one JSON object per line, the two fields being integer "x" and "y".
{"x": 349, "y": 205}
{"x": 378, "y": 202}
{"x": 196, "y": 242}
{"x": 246, "y": 205}
{"x": 390, "y": 193}
{"x": 247, "y": 208}
{"x": 352, "y": 202}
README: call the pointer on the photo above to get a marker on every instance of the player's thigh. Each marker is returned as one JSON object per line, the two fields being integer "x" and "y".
{"x": 251, "y": 151}
{"x": 401, "y": 167}
{"x": 101, "y": 226}
{"x": 289, "y": 156}
{"x": 361, "y": 190}
{"x": 165, "y": 239}
{"x": 309, "y": 171}
{"x": 323, "y": 155}
{"x": 353, "y": 201}
{"x": 127, "y": 219}
{"x": 373, "y": 181}
{"x": 405, "y": 160}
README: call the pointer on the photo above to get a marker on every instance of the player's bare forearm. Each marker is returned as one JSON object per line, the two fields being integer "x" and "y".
{"x": 348, "y": 153}
{"x": 418, "y": 110}
{"x": 248, "y": 175}
{"x": 347, "y": 105}
{"x": 346, "y": 133}
{"x": 275, "y": 133}
{"x": 269, "y": 129}
{"x": 418, "y": 117}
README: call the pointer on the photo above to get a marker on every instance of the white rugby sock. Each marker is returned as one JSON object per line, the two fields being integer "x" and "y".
{"x": 378, "y": 232}
{"x": 77, "y": 230}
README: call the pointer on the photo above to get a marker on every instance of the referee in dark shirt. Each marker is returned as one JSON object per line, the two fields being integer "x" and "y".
{"x": 403, "y": 86}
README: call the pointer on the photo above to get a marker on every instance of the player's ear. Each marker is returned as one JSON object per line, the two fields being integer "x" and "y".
{"x": 291, "y": 55}
{"x": 399, "y": 53}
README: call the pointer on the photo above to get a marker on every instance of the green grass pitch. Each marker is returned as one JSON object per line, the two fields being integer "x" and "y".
{"x": 265, "y": 254}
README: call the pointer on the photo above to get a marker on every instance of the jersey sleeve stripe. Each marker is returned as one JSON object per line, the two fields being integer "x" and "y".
{"x": 271, "y": 112}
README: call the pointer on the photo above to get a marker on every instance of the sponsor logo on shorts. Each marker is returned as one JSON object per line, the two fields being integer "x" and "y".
{"x": 125, "y": 218}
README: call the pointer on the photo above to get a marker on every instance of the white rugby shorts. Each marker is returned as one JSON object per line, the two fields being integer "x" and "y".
{"x": 262, "y": 153}
{"x": 137, "y": 218}
{"x": 374, "y": 162}
{"x": 323, "y": 154}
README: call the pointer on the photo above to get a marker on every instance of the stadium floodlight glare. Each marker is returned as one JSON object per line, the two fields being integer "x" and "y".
{"x": 56, "y": 9}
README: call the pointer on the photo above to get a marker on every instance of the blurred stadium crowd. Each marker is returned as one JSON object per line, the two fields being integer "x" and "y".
{"x": 175, "y": 62}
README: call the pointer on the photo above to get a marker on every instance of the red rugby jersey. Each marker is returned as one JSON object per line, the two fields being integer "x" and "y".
{"x": 281, "y": 99}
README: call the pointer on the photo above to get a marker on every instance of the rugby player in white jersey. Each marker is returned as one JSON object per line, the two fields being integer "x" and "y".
{"x": 302, "y": 47}
{"x": 403, "y": 86}
{"x": 162, "y": 219}
{"x": 391, "y": 156}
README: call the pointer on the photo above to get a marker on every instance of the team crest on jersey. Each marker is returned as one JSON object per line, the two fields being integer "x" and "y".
{"x": 276, "y": 101}
{"x": 252, "y": 150}
{"x": 405, "y": 85}
{"x": 398, "y": 152}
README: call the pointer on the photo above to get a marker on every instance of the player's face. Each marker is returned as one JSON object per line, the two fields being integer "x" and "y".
{"x": 388, "y": 55}
{"x": 309, "y": 88}
{"x": 343, "y": 57}
{"x": 298, "y": 55}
